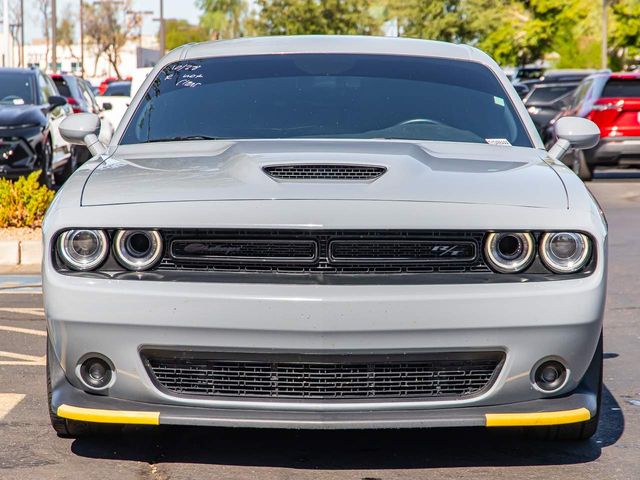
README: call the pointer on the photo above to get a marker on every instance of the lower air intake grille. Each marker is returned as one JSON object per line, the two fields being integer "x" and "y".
{"x": 452, "y": 375}
{"x": 325, "y": 172}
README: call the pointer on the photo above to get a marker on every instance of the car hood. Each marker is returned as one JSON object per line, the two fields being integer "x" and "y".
{"x": 18, "y": 115}
{"x": 418, "y": 172}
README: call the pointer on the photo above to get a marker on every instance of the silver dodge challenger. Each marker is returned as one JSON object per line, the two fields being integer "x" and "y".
{"x": 330, "y": 233}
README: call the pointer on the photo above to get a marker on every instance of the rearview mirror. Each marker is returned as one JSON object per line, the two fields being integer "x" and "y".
{"x": 83, "y": 129}
{"x": 574, "y": 132}
{"x": 107, "y": 106}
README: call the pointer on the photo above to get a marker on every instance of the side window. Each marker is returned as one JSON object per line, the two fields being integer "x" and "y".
{"x": 45, "y": 88}
{"x": 51, "y": 85}
{"x": 88, "y": 96}
{"x": 581, "y": 93}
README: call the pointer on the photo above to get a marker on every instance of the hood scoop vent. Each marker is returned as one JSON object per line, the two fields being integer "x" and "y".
{"x": 325, "y": 172}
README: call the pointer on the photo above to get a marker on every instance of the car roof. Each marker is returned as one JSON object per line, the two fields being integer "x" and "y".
{"x": 120, "y": 84}
{"x": 569, "y": 71}
{"x": 625, "y": 75}
{"x": 327, "y": 44}
{"x": 539, "y": 86}
{"x": 25, "y": 71}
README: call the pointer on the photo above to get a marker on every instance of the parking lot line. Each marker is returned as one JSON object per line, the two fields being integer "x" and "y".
{"x": 22, "y": 359}
{"x": 8, "y": 402}
{"x": 28, "y": 331}
{"x": 36, "y": 312}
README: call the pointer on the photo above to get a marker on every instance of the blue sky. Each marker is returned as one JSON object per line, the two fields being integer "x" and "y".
{"x": 185, "y": 9}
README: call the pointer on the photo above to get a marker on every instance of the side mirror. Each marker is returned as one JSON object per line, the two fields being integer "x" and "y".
{"x": 574, "y": 132}
{"x": 56, "y": 101}
{"x": 107, "y": 106}
{"x": 83, "y": 129}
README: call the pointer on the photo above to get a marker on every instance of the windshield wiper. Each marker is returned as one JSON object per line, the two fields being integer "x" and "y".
{"x": 185, "y": 138}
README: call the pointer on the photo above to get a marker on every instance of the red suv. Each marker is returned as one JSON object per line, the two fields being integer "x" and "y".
{"x": 612, "y": 101}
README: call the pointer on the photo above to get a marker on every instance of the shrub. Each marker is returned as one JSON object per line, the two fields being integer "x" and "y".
{"x": 23, "y": 202}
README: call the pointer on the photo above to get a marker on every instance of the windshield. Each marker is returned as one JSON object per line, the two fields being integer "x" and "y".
{"x": 16, "y": 88}
{"x": 326, "y": 96}
{"x": 118, "y": 89}
{"x": 63, "y": 86}
{"x": 622, "y": 88}
{"x": 549, "y": 94}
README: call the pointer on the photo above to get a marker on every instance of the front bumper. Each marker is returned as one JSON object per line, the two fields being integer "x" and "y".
{"x": 615, "y": 151}
{"x": 18, "y": 155}
{"x": 72, "y": 403}
{"x": 527, "y": 321}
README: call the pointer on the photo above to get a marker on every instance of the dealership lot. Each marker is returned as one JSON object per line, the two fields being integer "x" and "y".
{"x": 30, "y": 450}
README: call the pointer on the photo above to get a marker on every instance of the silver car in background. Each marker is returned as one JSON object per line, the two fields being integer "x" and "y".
{"x": 326, "y": 232}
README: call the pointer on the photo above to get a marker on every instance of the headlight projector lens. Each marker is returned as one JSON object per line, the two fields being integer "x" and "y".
{"x": 83, "y": 250}
{"x": 509, "y": 252}
{"x": 137, "y": 249}
{"x": 565, "y": 252}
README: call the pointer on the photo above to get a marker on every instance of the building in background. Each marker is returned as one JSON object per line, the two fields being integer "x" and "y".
{"x": 138, "y": 53}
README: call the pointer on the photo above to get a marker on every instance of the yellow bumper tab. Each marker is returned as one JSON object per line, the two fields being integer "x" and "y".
{"x": 537, "y": 419}
{"x": 108, "y": 416}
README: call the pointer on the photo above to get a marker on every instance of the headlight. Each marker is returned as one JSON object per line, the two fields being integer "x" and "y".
{"x": 137, "y": 249}
{"x": 565, "y": 252}
{"x": 83, "y": 249}
{"x": 509, "y": 252}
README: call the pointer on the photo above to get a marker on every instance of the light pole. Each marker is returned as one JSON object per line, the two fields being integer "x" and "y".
{"x": 162, "y": 32}
{"x": 54, "y": 40}
{"x": 22, "y": 33}
{"x": 5, "y": 32}
{"x": 82, "y": 38}
{"x": 605, "y": 57}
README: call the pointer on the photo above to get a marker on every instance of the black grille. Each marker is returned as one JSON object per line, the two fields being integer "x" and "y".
{"x": 400, "y": 251}
{"x": 325, "y": 172}
{"x": 245, "y": 250}
{"x": 451, "y": 375}
{"x": 14, "y": 150}
{"x": 326, "y": 252}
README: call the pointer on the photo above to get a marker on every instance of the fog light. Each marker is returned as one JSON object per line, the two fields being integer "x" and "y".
{"x": 95, "y": 372}
{"x": 550, "y": 375}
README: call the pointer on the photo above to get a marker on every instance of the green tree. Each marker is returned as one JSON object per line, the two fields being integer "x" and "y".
{"x": 310, "y": 17}
{"x": 179, "y": 32}
{"x": 445, "y": 20}
{"x": 514, "y": 32}
{"x": 624, "y": 38}
{"x": 223, "y": 18}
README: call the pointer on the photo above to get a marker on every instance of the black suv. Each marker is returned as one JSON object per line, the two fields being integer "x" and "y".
{"x": 31, "y": 110}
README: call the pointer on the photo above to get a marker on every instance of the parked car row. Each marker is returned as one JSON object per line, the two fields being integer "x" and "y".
{"x": 32, "y": 106}
{"x": 612, "y": 102}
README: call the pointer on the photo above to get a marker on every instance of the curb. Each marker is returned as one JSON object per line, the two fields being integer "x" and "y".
{"x": 20, "y": 252}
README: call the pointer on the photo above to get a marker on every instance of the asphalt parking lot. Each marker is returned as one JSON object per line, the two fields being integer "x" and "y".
{"x": 29, "y": 449}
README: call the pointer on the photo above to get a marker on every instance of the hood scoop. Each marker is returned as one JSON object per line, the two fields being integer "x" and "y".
{"x": 324, "y": 172}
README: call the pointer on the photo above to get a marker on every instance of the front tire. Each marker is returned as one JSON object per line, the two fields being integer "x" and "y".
{"x": 47, "y": 175}
{"x": 69, "y": 167}
{"x": 583, "y": 430}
